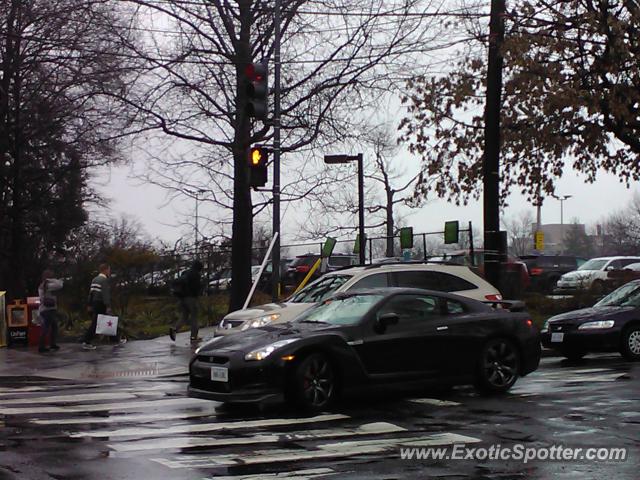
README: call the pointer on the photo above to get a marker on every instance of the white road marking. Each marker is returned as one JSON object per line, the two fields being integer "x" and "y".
{"x": 329, "y": 450}
{"x": 144, "y": 405}
{"x": 207, "y": 427}
{"x": 296, "y": 475}
{"x": 69, "y": 398}
{"x": 434, "y": 401}
{"x": 142, "y": 417}
{"x": 378, "y": 428}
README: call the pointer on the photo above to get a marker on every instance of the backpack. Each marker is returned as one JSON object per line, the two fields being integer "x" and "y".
{"x": 179, "y": 286}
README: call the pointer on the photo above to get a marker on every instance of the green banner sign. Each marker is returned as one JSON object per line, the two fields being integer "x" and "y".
{"x": 406, "y": 237}
{"x": 327, "y": 248}
{"x": 451, "y": 232}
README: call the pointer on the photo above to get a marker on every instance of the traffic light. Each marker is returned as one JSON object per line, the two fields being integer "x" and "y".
{"x": 257, "y": 90}
{"x": 258, "y": 157}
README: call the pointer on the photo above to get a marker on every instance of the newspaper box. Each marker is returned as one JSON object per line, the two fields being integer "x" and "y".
{"x": 17, "y": 323}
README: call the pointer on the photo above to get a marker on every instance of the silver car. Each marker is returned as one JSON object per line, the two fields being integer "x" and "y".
{"x": 445, "y": 278}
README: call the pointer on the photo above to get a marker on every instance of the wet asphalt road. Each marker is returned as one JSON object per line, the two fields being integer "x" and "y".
{"x": 144, "y": 427}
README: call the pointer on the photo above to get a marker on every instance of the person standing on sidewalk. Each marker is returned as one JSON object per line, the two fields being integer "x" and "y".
{"x": 99, "y": 303}
{"x": 188, "y": 290}
{"x": 48, "y": 310}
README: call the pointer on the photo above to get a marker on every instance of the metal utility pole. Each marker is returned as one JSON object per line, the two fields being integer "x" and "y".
{"x": 275, "y": 256}
{"x": 491, "y": 167}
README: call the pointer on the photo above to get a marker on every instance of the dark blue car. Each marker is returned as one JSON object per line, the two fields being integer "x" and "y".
{"x": 611, "y": 325}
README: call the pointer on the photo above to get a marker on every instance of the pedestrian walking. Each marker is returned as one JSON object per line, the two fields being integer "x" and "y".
{"x": 48, "y": 311}
{"x": 99, "y": 304}
{"x": 187, "y": 289}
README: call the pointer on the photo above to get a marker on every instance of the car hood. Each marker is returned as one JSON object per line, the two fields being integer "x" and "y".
{"x": 590, "y": 314}
{"x": 254, "y": 338}
{"x": 287, "y": 311}
{"x": 577, "y": 274}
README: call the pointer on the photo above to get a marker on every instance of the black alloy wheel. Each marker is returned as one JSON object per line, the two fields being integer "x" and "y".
{"x": 315, "y": 382}
{"x": 631, "y": 343}
{"x": 499, "y": 366}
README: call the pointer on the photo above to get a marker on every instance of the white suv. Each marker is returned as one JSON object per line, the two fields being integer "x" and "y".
{"x": 444, "y": 278}
{"x": 592, "y": 275}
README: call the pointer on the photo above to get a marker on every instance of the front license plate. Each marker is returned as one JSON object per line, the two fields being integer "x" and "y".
{"x": 219, "y": 374}
{"x": 557, "y": 337}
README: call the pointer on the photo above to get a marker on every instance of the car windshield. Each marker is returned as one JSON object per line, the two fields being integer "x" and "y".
{"x": 320, "y": 289}
{"x": 341, "y": 311}
{"x": 626, "y": 296}
{"x": 594, "y": 264}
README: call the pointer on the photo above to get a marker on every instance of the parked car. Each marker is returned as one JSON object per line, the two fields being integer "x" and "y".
{"x": 302, "y": 264}
{"x": 592, "y": 275}
{"x": 369, "y": 338}
{"x": 611, "y": 325}
{"x": 514, "y": 275}
{"x": 221, "y": 281}
{"x": 448, "y": 278}
{"x": 546, "y": 270}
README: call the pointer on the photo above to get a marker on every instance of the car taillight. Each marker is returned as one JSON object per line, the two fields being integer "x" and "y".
{"x": 303, "y": 268}
{"x": 529, "y": 322}
{"x": 536, "y": 271}
{"x": 493, "y": 297}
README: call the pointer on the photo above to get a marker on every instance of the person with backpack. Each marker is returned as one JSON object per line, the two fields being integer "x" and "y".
{"x": 48, "y": 311}
{"x": 187, "y": 289}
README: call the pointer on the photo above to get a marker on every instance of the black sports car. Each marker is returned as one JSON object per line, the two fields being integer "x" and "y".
{"x": 611, "y": 325}
{"x": 363, "y": 339}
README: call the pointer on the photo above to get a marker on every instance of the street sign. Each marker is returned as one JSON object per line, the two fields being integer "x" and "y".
{"x": 538, "y": 240}
{"x": 406, "y": 237}
{"x": 451, "y": 232}
{"x": 327, "y": 248}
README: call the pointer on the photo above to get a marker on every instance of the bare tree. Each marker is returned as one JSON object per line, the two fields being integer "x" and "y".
{"x": 520, "y": 232}
{"x": 338, "y": 58}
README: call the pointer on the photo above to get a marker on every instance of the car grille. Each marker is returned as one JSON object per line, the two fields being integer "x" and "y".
{"x": 561, "y": 327}
{"x": 218, "y": 360}
{"x": 207, "y": 385}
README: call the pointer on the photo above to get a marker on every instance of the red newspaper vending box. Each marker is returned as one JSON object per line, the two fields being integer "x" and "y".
{"x": 33, "y": 303}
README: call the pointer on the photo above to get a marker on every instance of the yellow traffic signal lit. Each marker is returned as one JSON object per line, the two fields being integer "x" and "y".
{"x": 256, "y": 156}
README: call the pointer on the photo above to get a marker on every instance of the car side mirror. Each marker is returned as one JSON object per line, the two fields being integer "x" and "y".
{"x": 609, "y": 268}
{"x": 383, "y": 321}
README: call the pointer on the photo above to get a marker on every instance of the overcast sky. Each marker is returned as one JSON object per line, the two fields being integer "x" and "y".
{"x": 590, "y": 203}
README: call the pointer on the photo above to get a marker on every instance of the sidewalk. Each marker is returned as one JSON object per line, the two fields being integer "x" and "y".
{"x": 157, "y": 357}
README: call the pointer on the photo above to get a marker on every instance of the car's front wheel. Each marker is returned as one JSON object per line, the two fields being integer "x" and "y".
{"x": 499, "y": 366}
{"x": 631, "y": 343}
{"x": 314, "y": 382}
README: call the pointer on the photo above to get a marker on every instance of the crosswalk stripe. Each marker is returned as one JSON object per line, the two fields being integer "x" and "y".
{"x": 69, "y": 398}
{"x": 295, "y": 475}
{"x": 142, "y": 417}
{"x": 435, "y": 402}
{"x": 330, "y": 450}
{"x": 207, "y": 427}
{"x": 378, "y": 428}
{"x": 106, "y": 406}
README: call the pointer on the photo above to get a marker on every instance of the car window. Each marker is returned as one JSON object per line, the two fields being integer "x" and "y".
{"x": 379, "y": 280}
{"x": 319, "y": 290}
{"x": 615, "y": 264}
{"x": 341, "y": 311}
{"x": 626, "y": 296}
{"x": 429, "y": 280}
{"x": 454, "y": 307}
{"x": 411, "y": 308}
{"x": 593, "y": 264}
{"x": 627, "y": 261}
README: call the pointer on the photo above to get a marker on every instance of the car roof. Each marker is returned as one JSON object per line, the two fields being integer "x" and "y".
{"x": 390, "y": 267}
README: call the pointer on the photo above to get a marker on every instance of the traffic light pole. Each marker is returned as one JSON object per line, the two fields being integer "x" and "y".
{"x": 275, "y": 255}
{"x": 362, "y": 244}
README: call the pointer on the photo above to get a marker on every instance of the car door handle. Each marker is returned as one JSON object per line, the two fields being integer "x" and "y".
{"x": 442, "y": 328}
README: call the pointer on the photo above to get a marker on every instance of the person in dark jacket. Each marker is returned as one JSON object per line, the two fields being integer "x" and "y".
{"x": 191, "y": 286}
{"x": 99, "y": 303}
{"x": 48, "y": 310}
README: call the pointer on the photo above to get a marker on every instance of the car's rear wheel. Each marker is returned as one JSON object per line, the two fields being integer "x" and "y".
{"x": 499, "y": 366}
{"x": 573, "y": 355}
{"x": 631, "y": 343}
{"x": 315, "y": 382}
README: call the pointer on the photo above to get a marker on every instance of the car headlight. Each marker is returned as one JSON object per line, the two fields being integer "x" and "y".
{"x": 264, "y": 352}
{"x": 259, "y": 322}
{"x": 207, "y": 343}
{"x": 596, "y": 325}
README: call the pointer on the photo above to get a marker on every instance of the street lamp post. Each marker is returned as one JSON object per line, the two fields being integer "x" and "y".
{"x": 562, "y": 198}
{"x": 329, "y": 159}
